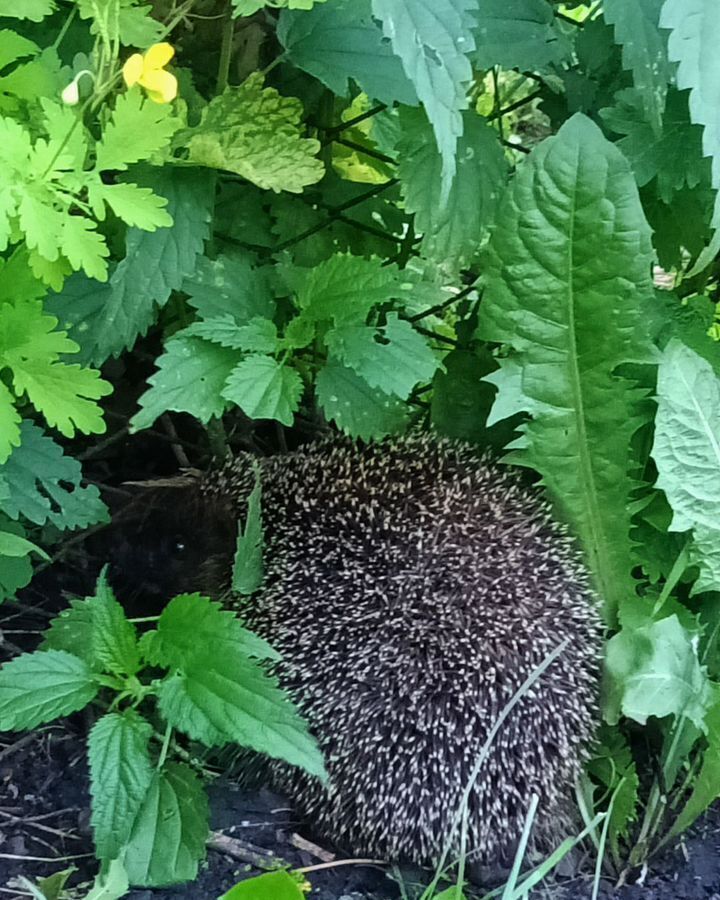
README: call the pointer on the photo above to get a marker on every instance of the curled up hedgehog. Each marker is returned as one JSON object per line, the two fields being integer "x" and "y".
{"x": 411, "y": 587}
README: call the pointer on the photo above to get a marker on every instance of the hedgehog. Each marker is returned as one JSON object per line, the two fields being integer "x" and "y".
{"x": 411, "y": 586}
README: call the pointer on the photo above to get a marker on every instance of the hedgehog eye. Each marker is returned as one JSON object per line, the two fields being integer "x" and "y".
{"x": 179, "y": 546}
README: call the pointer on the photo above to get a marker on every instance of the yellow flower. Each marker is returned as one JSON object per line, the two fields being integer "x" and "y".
{"x": 146, "y": 69}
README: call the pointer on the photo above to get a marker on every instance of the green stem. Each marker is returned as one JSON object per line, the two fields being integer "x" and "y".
{"x": 64, "y": 30}
{"x": 675, "y": 575}
{"x": 228, "y": 32}
{"x": 165, "y": 747}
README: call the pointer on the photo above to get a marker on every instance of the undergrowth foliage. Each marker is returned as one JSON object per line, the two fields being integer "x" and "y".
{"x": 370, "y": 213}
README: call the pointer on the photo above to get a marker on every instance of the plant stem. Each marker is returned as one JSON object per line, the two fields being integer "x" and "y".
{"x": 228, "y": 32}
{"x": 165, "y": 747}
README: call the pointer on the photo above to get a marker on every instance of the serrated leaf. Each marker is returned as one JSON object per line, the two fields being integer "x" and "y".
{"x": 170, "y": 830}
{"x": 230, "y": 286}
{"x": 34, "y": 10}
{"x": 452, "y": 231}
{"x": 194, "y": 629}
{"x": 270, "y": 886}
{"x": 121, "y": 775}
{"x": 136, "y": 206}
{"x": 106, "y": 319}
{"x": 44, "y": 484}
{"x": 190, "y": 378}
{"x": 138, "y": 128}
{"x": 644, "y": 51}
{"x": 96, "y": 630}
{"x": 518, "y": 34}
{"x": 687, "y": 453}
{"x": 344, "y": 288}
{"x": 255, "y": 132}
{"x": 137, "y": 28}
{"x": 39, "y": 687}
{"x": 264, "y": 388}
{"x": 341, "y": 41}
{"x": 613, "y": 766}
{"x": 355, "y": 407}
{"x": 433, "y": 38}
{"x": 568, "y": 298}
{"x": 393, "y": 358}
{"x": 654, "y": 670}
{"x": 247, "y": 571}
{"x": 706, "y": 783}
{"x": 250, "y": 7}
{"x": 9, "y": 423}
{"x": 235, "y": 700}
{"x": 84, "y": 247}
{"x": 258, "y": 336}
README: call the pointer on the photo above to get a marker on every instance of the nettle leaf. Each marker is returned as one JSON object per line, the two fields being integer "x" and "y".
{"x": 106, "y": 319}
{"x": 654, "y": 670}
{"x": 255, "y": 132}
{"x": 236, "y": 700}
{"x": 170, "y": 830}
{"x": 687, "y": 454}
{"x": 259, "y": 335}
{"x": 393, "y": 358}
{"x": 96, "y": 630}
{"x": 518, "y": 34}
{"x": 567, "y": 297}
{"x": 674, "y": 156}
{"x": 9, "y": 423}
{"x": 195, "y": 629}
{"x": 644, "y": 52}
{"x": 44, "y": 484}
{"x": 433, "y": 38}
{"x": 39, "y": 687}
{"x": 191, "y": 376}
{"x": 121, "y": 774}
{"x": 230, "y": 286}
{"x": 265, "y": 388}
{"x": 138, "y": 129}
{"x": 247, "y": 571}
{"x": 356, "y": 408}
{"x": 341, "y": 41}
{"x": 344, "y": 288}
{"x": 452, "y": 230}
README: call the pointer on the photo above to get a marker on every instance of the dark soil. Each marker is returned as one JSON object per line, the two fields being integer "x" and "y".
{"x": 44, "y": 828}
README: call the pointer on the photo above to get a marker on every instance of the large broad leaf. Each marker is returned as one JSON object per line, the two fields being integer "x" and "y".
{"x": 170, "y": 830}
{"x": 44, "y": 485}
{"x": 518, "y": 34}
{"x": 38, "y": 687}
{"x": 120, "y": 777}
{"x": 264, "y": 388}
{"x": 451, "y": 230}
{"x": 230, "y": 286}
{"x": 687, "y": 453}
{"x": 654, "y": 670}
{"x": 568, "y": 273}
{"x": 433, "y": 38}
{"x": 339, "y": 41}
{"x": 644, "y": 51}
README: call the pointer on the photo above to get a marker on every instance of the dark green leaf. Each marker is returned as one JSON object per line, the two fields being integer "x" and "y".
{"x": 356, "y": 408}
{"x": 518, "y": 34}
{"x": 264, "y": 388}
{"x": 248, "y": 565}
{"x": 229, "y": 285}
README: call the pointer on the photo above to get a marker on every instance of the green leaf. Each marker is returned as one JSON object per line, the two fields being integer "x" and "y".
{"x": 84, "y": 247}
{"x": 264, "y": 388}
{"x": 255, "y": 132}
{"x": 9, "y": 423}
{"x": 247, "y": 572}
{"x": 355, "y": 407}
{"x": 121, "y": 775}
{"x": 138, "y": 128}
{"x": 44, "y": 484}
{"x": 14, "y": 46}
{"x": 250, "y": 7}
{"x": 644, "y": 52}
{"x": 452, "y": 230}
{"x": 706, "y": 784}
{"x": 654, "y": 670}
{"x": 107, "y": 319}
{"x": 567, "y": 297}
{"x": 96, "y": 630}
{"x": 687, "y": 454}
{"x": 344, "y": 288}
{"x": 170, "y": 831}
{"x": 258, "y": 336}
{"x": 674, "y": 156}
{"x": 136, "y": 206}
{"x": 137, "y": 28}
{"x": 235, "y": 700}
{"x": 16, "y": 546}
{"x": 15, "y": 571}
{"x": 230, "y": 286}
{"x": 613, "y": 766}
{"x": 341, "y": 41}
{"x": 194, "y": 629}
{"x": 190, "y": 378}
{"x": 270, "y": 886}
{"x": 34, "y": 10}
{"x": 39, "y": 687}
{"x": 433, "y": 38}
{"x": 518, "y": 34}
{"x": 393, "y": 358}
